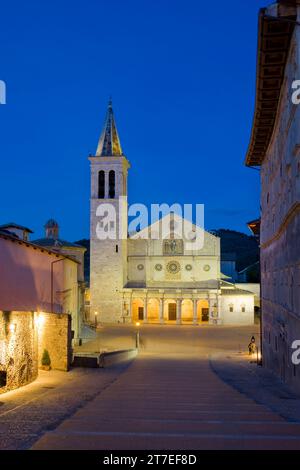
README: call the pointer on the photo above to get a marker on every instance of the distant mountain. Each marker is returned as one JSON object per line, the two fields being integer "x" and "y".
{"x": 245, "y": 247}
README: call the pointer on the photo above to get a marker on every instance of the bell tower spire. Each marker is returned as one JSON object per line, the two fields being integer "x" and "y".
{"x": 108, "y": 224}
{"x": 109, "y": 143}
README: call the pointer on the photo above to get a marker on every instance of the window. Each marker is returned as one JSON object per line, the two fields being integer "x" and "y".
{"x": 231, "y": 308}
{"x": 3, "y": 378}
{"x": 101, "y": 184}
{"x": 243, "y": 309}
{"x": 117, "y": 248}
{"x": 111, "y": 180}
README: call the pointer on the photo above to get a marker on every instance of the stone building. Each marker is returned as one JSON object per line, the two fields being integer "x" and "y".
{"x": 33, "y": 309}
{"x": 148, "y": 277}
{"x": 73, "y": 295}
{"x": 275, "y": 148}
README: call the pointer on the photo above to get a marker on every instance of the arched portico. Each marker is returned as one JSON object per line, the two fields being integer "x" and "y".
{"x": 203, "y": 311}
{"x": 138, "y": 310}
{"x": 170, "y": 311}
{"x": 187, "y": 311}
{"x": 161, "y": 307}
{"x": 153, "y": 310}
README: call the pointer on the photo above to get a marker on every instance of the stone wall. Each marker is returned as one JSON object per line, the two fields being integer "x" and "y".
{"x": 281, "y": 303}
{"x": 18, "y": 349}
{"x": 23, "y": 338}
{"x": 55, "y": 336}
{"x": 280, "y": 231}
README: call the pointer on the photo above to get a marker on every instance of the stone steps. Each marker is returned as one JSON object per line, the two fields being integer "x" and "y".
{"x": 156, "y": 404}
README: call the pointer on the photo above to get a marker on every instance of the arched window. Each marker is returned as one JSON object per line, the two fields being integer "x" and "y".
{"x": 111, "y": 180}
{"x": 101, "y": 184}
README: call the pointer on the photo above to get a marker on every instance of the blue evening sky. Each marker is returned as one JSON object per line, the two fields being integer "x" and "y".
{"x": 182, "y": 78}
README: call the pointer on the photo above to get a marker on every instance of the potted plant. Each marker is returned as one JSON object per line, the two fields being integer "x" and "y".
{"x": 46, "y": 361}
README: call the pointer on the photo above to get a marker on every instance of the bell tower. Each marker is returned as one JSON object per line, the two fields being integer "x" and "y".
{"x": 108, "y": 224}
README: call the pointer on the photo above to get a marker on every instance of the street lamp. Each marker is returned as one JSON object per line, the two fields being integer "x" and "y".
{"x": 96, "y": 319}
{"x": 137, "y": 335}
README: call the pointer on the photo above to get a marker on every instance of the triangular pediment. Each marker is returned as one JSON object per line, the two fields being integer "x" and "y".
{"x": 172, "y": 226}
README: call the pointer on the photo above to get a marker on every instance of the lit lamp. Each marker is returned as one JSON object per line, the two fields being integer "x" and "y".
{"x": 12, "y": 327}
{"x": 258, "y": 357}
{"x": 40, "y": 320}
{"x": 96, "y": 319}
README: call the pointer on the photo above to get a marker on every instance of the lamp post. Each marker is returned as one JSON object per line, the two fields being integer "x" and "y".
{"x": 96, "y": 320}
{"x": 137, "y": 335}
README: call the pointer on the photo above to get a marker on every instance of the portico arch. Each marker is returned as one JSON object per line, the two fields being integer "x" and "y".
{"x": 170, "y": 311}
{"x": 137, "y": 310}
{"x": 187, "y": 310}
{"x": 203, "y": 311}
{"x": 153, "y": 310}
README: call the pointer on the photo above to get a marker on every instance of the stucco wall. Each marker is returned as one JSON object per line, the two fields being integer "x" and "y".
{"x": 23, "y": 338}
{"x": 237, "y": 317}
{"x": 25, "y": 281}
{"x": 26, "y": 271}
{"x": 251, "y": 287}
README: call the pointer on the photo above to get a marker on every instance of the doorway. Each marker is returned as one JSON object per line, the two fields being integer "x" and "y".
{"x": 172, "y": 312}
{"x": 141, "y": 313}
{"x": 205, "y": 315}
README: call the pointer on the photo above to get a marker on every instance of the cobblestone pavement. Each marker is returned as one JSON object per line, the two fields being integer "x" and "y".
{"x": 26, "y": 413}
{"x": 257, "y": 383}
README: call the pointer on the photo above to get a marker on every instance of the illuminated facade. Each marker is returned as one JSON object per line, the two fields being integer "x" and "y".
{"x": 153, "y": 279}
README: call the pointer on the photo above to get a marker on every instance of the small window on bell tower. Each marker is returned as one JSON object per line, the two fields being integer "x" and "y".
{"x": 101, "y": 184}
{"x": 111, "y": 179}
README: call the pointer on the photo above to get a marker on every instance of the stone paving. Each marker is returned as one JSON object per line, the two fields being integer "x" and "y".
{"x": 172, "y": 402}
{"x": 257, "y": 383}
{"x": 190, "y": 388}
{"x": 28, "y": 412}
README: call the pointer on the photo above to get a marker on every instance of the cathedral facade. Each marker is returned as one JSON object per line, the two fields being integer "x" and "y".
{"x": 155, "y": 275}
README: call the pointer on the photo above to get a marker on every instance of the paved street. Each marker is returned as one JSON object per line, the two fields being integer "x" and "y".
{"x": 189, "y": 388}
{"x": 165, "y": 339}
{"x": 26, "y": 413}
{"x": 170, "y": 398}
